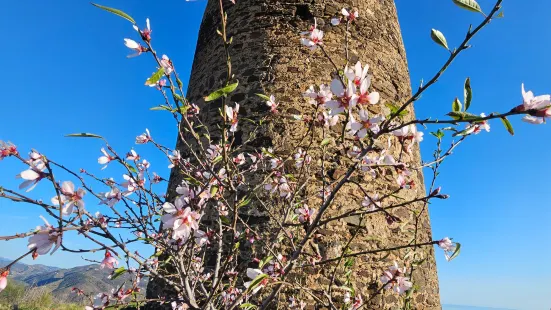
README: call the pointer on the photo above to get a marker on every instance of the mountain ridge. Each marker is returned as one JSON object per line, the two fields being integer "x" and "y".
{"x": 60, "y": 281}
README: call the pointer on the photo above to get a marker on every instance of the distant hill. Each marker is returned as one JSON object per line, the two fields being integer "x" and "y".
{"x": 90, "y": 278}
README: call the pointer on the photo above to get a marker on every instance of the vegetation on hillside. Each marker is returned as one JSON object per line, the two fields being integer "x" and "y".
{"x": 18, "y": 296}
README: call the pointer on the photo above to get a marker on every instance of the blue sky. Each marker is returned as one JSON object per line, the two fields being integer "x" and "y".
{"x": 65, "y": 70}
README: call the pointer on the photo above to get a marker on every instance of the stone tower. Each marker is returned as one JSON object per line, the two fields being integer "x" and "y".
{"x": 267, "y": 57}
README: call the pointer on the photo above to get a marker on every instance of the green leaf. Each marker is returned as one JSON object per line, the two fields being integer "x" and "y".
{"x": 265, "y": 261}
{"x": 456, "y": 252}
{"x": 439, "y": 38}
{"x": 263, "y": 97}
{"x": 500, "y": 15}
{"x": 464, "y": 116}
{"x": 508, "y": 125}
{"x": 468, "y": 93}
{"x": 325, "y": 142}
{"x": 247, "y": 306}
{"x": 132, "y": 169}
{"x": 439, "y": 134}
{"x": 394, "y": 108}
{"x": 84, "y": 135}
{"x": 116, "y": 12}
{"x": 213, "y": 191}
{"x": 256, "y": 281}
{"x": 161, "y": 108}
{"x": 456, "y": 105}
{"x": 152, "y": 80}
{"x": 179, "y": 98}
{"x": 470, "y": 5}
{"x": 244, "y": 202}
{"x": 222, "y": 92}
{"x": 118, "y": 272}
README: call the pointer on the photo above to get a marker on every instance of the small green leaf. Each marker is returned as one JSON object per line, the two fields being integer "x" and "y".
{"x": 456, "y": 252}
{"x": 468, "y": 93}
{"x": 84, "y": 135}
{"x": 152, "y": 80}
{"x": 508, "y": 125}
{"x": 464, "y": 116}
{"x": 456, "y": 105}
{"x": 118, "y": 272}
{"x": 439, "y": 134}
{"x": 244, "y": 202}
{"x": 470, "y": 5}
{"x": 325, "y": 142}
{"x": 247, "y": 306}
{"x": 116, "y": 12}
{"x": 132, "y": 169}
{"x": 394, "y": 108}
{"x": 265, "y": 261}
{"x": 161, "y": 108}
{"x": 500, "y": 15}
{"x": 263, "y": 97}
{"x": 256, "y": 281}
{"x": 222, "y": 92}
{"x": 439, "y": 38}
{"x": 213, "y": 191}
{"x": 179, "y": 98}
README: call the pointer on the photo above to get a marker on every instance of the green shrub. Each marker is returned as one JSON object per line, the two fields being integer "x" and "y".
{"x": 31, "y": 298}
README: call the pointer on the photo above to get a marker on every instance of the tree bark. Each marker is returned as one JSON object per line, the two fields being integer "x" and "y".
{"x": 267, "y": 57}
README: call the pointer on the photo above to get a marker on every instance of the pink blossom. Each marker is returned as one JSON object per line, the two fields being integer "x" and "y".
{"x": 4, "y": 279}
{"x": 358, "y": 302}
{"x": 253, "y": 274}
{"x": 371, "y": 204}
{"x": 132, "y": 156}
{"x": 133, "y": 184}
{"x": 323, "y": 119}
{"x": 365, "y": 125}
{"x": 174, "y": 159}
{"x": 239, "y": 159}
{"x": 305, "y": 214}
{"x": 181, "y": 221}
{"x": 7, "y": 149}
{"x": 166, "y": 64}
{"x": 109, "y": 261}
{"x": 201, "y": 238}
{"x": 350, "y": 15}
{"x": 367, "y": 97}
{"x": 357, "y": 74}
{"x": 347, "y": 16}
{"x": 44, "y": 239}
{"x": 231, "y": 113}
{"x": 301, "y": 158}
{"x": 448, "y": 246}
{"x": 354, "y": 151}
{"x": 112, "y": 197}
{"x": 403, "y": 183}
{"x": 314, "y": 39}
{"x": 105, "y": 159}
{"x": 280, "y": 185}
{"x": 133, "y": 45}
{"x": 318, "y": 98}
{"x": 540, "y": 104}
{"x": 146, "y": 33}
{"x": 272, "y": 104}
{"x": 69, "y": 197}
{"x": 477, "y": 127}
{"x": 144, "y": 137}
{"x": 346, "y": 98}
{"x": 393, "y": 279}
{"x": 34, "y": 174}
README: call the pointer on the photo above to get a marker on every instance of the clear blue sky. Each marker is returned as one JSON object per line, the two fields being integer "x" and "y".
{"x": 64, "y": 71}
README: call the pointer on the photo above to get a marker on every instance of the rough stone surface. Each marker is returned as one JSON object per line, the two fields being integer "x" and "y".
{"x": 268, "y": 58}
